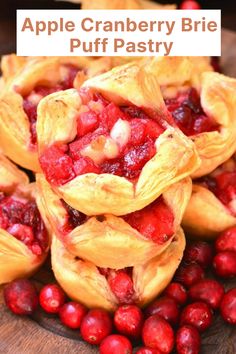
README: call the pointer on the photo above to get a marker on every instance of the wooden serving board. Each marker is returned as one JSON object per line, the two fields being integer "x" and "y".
{"x": 45, "y": 335}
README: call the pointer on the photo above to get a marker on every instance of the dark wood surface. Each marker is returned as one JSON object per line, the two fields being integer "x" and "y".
{"x": 43, "y": 334}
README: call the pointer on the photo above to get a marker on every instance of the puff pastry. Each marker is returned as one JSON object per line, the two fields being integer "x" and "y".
{"x": 24, "y": 239}
{"x": 26, "y": 81}
{"x": 108, "y": 161}
{"x": 95, "y": 287}
{"x": 203, "y": 104}
{"x": 212, "y": 207}
{"x": 116, "y": 242}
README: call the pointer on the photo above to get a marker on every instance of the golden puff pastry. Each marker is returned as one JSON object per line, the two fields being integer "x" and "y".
{"x": 105, "y": 161}
{"x": 212, "y": 207}
{"x": 23, "y": 236}
{"x": 30, "y": 79}
{"x": 203, "y": 104}
{"x": 83, "y": 281}
{"x": 115, "y": 242}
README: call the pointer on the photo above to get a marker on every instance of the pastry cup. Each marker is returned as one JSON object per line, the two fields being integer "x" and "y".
{"x": 83, "y": 282}
{"x": 175, "y": 159}
{"x": 20, "y": 76}
{"x": 109, "y": 241}
{"x": 16, "y": 259}
{"x": 218, "y": 100}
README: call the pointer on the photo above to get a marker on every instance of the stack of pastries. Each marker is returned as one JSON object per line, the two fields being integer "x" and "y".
{"x": 114, "y": 152}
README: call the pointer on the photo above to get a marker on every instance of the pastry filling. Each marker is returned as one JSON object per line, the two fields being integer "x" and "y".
{"x": 31, "y": 101}
{"x": 110, "y": 139}
{"x": 21, "y": 218}
{"x": 188, "y": 114}
{"x": 222, "y": 182}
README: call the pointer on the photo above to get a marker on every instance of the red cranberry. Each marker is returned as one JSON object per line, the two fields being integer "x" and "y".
{"x": 189, "y": 274}
{"x": 226, "y": 240}
{"x": 224, "y": 264}
{"x": 145, "y": 350}
{"x": 228, "y": 306}
{"x": 177, "y": 292}
{"x": 207, "y": 290}
{"x": 165, "y": 307}
{"x": 21, "y": 297}
{"x": 198, "y": 252}
{"x": 51, "y": 298}
{"x": 117, "y": 344}
{"x": 158, "y": 334}
{"x": 121, "y": 285}
{"x": 197, "y": 314}
{"x": 188, "y": 340}
{"x": 71, "y": 314}
{"x": 190, "y": 5}
{"x": 95, "y": 326}
{"x": 128, "y": 320}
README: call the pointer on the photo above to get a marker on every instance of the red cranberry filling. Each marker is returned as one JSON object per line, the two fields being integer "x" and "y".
{"x": 155, "y": 221}
{"x": 188, "y": 114}
{"x": 22, "y": 219}
{"x": 75, "y": 217}
{"x": 110, "y": 139}
{"x": 32, "y": 100}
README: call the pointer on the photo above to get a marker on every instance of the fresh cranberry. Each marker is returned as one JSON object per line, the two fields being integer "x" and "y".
{"x": 226, "y": 241}
{"x": 224, "y": 264}
{"x": 226, "y": 188}
{"x": 197, "y": 314}
{"x": 190, "y": 5}
{"x": 71, "y": 314}
{"x": 189, "y": 274}
{"x": 86, "y": 123}
{"x": 177, "y": 292}
{"x": 228, "y": 306}
{"x": 199, "y": 252}
{"x": 146, "y": 350}
{"x": 128, "y": 320}
{"x": 165, "y": 307}
{"x": 158, "y": 334}
{"x": 207, "y": 290}
{"x": 51, "y": 298}
{"x": 188, "y": 340}
{"x": 21, "y": 297}
{"x": 115, "y": 343}
{"x": 121, "y": 285}
{"x": 95, "y": 326}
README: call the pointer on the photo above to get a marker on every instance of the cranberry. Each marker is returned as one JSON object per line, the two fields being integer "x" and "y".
{"x": 189, "y": 274}
{"x": 146, "y": 350}
{"x": 228, "y": 306}
{"x": 75, "y": 217}
{"x": 224, "y": 264}
{"x": 71, "y": 314}
{"x": 207, "y": 290}
{"x": 22, "y": 232}
{"x": 21, "y": 297}
{"x": 199, "y": 252}
{"x": 177, "y": 292}
{"x": 190, "y": 5}
{"x": 188, "y": 340}
{"x": 117, "y": 344}
{"x": 158, "y": 334}
{"x": 85, "y": 165}
{"x": 121, "y": 285}
{"x": 197, "y": 314}
{"x": 51, "y": 298}
{"x": 128, "y": 320}
{"x": 110, "y": 115}
{"x": 95, "y": 326}
{"x": 87, "y": 122}
{"x": 226, "y": 240}
{"x": 165, "y": 307}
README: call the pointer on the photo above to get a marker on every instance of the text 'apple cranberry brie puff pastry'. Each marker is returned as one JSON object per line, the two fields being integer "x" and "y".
{"x": 31, "y": 79}
{"x": 108, "y": 148}
{"x": 203, "y": 105}
{"x": 212, "y": 207}
{"x": 117, "y": 242}
{"x": 24, "y": 239}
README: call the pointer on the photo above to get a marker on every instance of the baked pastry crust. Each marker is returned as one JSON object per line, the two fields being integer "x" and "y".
{"x": 83, "y": 282}
{"x": 109, "y": 241}
{"x": 16, "y": 259}
{"x": 176, "y": 157}
{"x": 218, "y": 100}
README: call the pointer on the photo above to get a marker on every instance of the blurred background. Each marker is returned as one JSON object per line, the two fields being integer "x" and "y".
{"x": 8, "y": 14}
